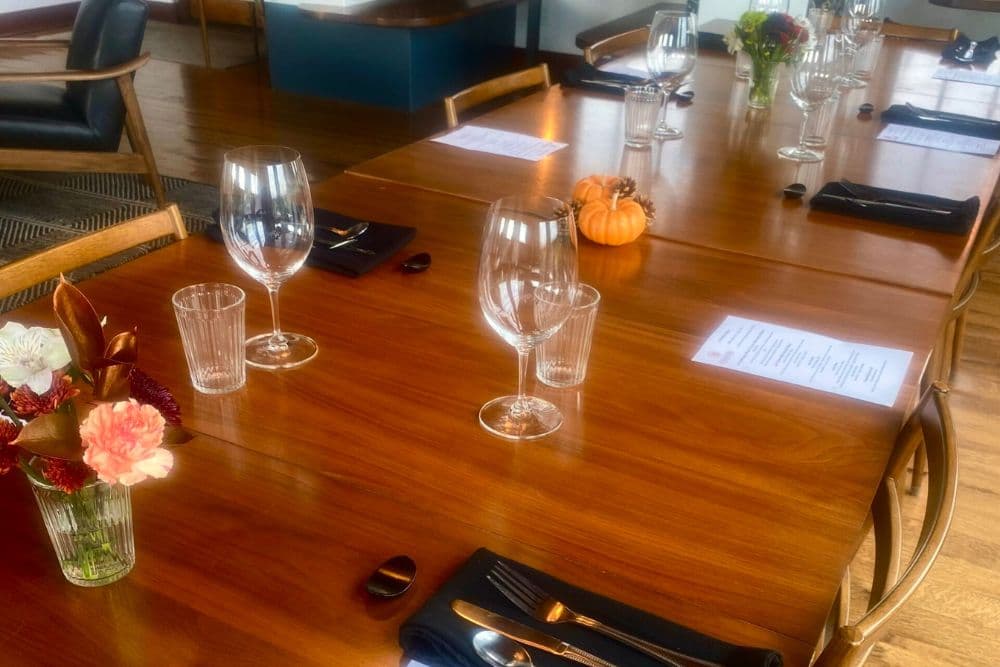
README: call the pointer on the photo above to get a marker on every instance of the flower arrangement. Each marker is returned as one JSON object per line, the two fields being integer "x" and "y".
{"x": 84, "y": 424}
{"x": 770, "y": 39}
{"x": 74, "y": 406}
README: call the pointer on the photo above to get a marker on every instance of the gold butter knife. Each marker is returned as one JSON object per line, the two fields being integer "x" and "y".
{"x": 522, "y": 633}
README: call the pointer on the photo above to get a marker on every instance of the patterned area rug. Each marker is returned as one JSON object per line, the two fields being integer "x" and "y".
{"x": 40, "y": 210}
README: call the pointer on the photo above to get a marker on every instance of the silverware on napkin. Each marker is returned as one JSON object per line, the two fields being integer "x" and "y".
{"x": 535, "y": 602}
{"x": 525, "y": 635}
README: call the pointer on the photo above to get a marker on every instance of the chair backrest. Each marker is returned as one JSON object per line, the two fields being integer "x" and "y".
{"x": 494, "y": 88}
{"x": 105, "y": 33}
{"x": 24, "y": 273}
{"x": 616, "y": 44}
{"x": 851, "y": 643}
{"x": 986, "y": 243}
{"x": 905, "y": 31}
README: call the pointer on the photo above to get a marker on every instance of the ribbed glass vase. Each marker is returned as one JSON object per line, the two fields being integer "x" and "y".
{"x": 91, "y": 530}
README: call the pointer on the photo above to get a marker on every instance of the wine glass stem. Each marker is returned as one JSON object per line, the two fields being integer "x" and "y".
{"x": 802, "y": 132}
{"x": 276, "y": 337}
{"x": 663, "y": 107}
{"x": 520, "y": 405}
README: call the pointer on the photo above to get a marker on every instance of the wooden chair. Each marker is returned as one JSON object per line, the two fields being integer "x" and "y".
{"x": 616, "y": 45}
{"x": 24, "y": 273}
{"x": 78, "y": 128}
{"x": 949, "y": 350}
{"x": 494, "y": 88}
{"x": 256, "y": 23}
{"x": 853, "y": 642}
{"x": 905, "y": 31}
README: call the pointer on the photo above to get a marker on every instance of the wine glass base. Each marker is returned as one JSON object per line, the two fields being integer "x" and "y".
{"x": 667, "y": 133}
{"x": 539, "y": 419}
{"x": 796, "y": 154}
{"x": 293, "y": 351}
{"x": 853, "y": 83}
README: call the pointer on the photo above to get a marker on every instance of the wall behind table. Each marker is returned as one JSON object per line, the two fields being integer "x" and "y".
{"x": 563, "y": 19}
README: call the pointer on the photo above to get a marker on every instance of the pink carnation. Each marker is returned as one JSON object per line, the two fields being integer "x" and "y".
{"x": 122, "y": 442}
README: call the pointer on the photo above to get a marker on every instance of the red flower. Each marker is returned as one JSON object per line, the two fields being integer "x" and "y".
{"x": 8, "y": 431}
{"x": 27, "y": 404}
{"x": 148, "y": 391}
{"x": 67, "y": 476}
{"x": 8, "y": 458}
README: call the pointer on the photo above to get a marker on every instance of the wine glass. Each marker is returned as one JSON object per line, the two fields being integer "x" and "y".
{"x": 815, "y": 76}
{"x": 861, "y": 25}
{"x": 670, "y": 56}
{"x": 266, "y": 215}
{"x": 527, "y": 286}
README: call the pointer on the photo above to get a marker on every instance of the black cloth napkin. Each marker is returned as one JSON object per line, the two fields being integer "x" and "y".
{"x": 383, "y": 239}
{"x": 438, "y": 637}
{"x": 588, "y": 77}
{"x": 942, "y": 120}
{"x": 985, "y": 51}
{"x": 902, "y": 208}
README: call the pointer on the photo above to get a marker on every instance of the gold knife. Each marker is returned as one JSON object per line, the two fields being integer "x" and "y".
{"x": 522, "y": 633}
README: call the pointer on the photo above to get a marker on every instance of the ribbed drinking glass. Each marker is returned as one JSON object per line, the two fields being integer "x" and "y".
{"x": 561, "y": 361}
{"x": 210, "y": 318}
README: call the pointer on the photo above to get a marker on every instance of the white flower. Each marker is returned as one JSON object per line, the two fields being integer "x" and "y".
{"x": 28, "y": 356}
{"x": 733, "y": 41}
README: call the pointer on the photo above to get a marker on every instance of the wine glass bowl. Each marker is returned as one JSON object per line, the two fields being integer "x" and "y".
{"x": 527, "y": 286}
{"x": 815, "y": 77}
{"x": 671, "y": 52}
{"x": 266, "y": 217}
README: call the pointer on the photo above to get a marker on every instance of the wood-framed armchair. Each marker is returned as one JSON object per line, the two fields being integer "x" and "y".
{"x": 46, "y": 127}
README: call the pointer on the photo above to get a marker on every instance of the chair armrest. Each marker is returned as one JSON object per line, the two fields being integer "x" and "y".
{"x": 13, "y": 42}
{"x": 77, "y": 74}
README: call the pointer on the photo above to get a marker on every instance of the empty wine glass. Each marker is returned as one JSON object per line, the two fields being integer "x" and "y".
{"x": 815, "y": 76}
{"x": 527, "y": 287}
{"x": 670, "y": 56}
{"x": 266, "y": 215}
{"x": 862, "y": 23}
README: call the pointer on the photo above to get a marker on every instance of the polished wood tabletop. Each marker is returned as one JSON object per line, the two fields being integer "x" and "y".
{"x": 728, "y": 503}
{"x": 721, "y": 185}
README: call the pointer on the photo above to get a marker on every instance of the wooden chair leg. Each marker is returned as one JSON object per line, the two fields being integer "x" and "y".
{"x": 136, "y": 131}
{"x": 919, "y": 466}
{"x": 957, "y": 341}
{"x": 204, "y": 34}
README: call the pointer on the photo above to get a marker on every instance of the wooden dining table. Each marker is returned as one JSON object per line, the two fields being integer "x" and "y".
{"x": 721, "y": 185}
{"x": 722, "y": 501}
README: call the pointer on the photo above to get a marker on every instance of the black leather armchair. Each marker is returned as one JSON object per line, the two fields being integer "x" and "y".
{"x": 47, "y": 127}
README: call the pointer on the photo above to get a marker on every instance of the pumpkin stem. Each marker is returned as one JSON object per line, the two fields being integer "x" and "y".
{"x": 614, "y": 199}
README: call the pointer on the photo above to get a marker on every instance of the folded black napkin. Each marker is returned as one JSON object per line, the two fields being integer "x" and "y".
{"x": 984, "y": 52}
{"x": 435, "y": 635}
{"x": 383, "y": 239}
{"x": 589, "y": 77}
{"x": 942, "y": 120}
{"x": 902, "y": 208}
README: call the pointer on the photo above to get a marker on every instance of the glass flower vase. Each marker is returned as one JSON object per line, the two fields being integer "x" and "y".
{"x": 764, "y": 75}
{"x": 90, "y": 529}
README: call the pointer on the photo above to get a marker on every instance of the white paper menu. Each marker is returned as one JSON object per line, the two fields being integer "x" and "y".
{"x": 866, "y": 372}
{"x": 946, "y": 141}
{"x": 968, "y": 76}
{"x": 499, "y": 142}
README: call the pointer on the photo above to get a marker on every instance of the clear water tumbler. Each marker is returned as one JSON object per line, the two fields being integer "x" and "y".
{"x": 561, "y": 361}
{"x": 210, "y": 317}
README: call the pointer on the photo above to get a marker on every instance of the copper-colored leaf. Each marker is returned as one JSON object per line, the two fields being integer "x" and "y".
{"x": 123, "y": 347}
{"x": 56, "y": 434}
{"x": 175, "y": 435}
{"x": 111, "y": 381}
{"x": 79, "y": 324}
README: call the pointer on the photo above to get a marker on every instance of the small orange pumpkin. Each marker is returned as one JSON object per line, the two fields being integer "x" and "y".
{"x": 613, "y": 221}
{"x": 594, "y": 187}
